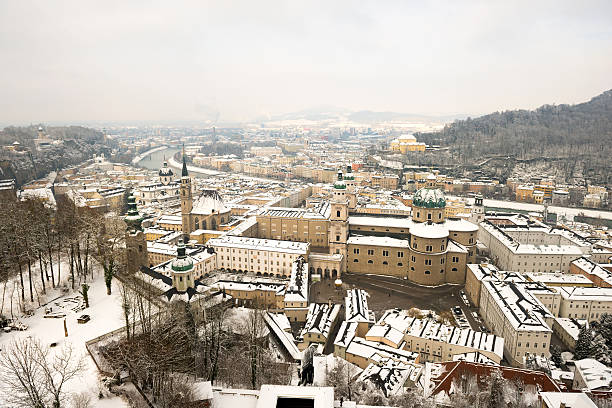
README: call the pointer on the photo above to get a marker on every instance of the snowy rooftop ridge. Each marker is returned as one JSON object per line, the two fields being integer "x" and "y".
{"x": 320, "y": 318}
{"x": 356, "y": 305}
{"x": 522, "y": 309}
{"x": 260, "y": 244}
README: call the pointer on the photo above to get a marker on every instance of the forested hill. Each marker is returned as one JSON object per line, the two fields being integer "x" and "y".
{"x": 582, "y": 132}
{"x": 70, "y": 145}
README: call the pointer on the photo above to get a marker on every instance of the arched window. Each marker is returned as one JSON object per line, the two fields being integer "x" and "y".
{"x": 197, "y": 223}
{"x": 213, "y": 224}
{"x": 427, "y": 272}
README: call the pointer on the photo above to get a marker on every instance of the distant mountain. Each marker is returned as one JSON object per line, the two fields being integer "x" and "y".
{"x": 573, "y": 141}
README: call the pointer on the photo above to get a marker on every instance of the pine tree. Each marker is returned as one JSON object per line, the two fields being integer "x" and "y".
{"x": 555, "y": 355}
{"x": 584, "y": 344}
{"x": 601, "y": 352}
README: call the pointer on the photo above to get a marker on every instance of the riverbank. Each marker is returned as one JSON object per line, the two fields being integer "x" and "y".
{"x": 141, "y": 156}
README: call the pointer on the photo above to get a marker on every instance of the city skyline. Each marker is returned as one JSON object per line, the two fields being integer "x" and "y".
{"x": 218, "y": 63}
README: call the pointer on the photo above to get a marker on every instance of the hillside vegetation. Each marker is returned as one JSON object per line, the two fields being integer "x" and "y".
{"x": 75, "y": 144}
{"x": 578, "y": 138}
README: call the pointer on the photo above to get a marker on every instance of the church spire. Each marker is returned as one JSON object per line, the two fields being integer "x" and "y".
{"x": 184, "y": 173}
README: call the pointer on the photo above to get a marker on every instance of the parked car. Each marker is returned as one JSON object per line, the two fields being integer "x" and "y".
{"x": 83, "y": 319}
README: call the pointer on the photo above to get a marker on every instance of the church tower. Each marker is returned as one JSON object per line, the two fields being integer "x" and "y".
{"x": 478, "y": 212}
{"x": 165, "y": 174}
{"x": 338, "y": 226}
{"x": 349, "y": 179}
{"x": 186, "y": 198}
{"x": 135, "y": 240}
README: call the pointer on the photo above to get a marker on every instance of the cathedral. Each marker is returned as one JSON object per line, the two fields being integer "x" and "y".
{"x": 205, "y": 212}
{"x": 425, "y": 248}
{"x": 163, "y": 192}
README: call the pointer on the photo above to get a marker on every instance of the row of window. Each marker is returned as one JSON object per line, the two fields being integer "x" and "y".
{"x": 400, "y": 254}
{"x": 428, "y": 248}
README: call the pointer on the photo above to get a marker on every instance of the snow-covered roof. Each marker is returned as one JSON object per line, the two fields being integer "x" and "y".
{"x": 566, "y": 399}
{"x": 297, "y": 290}
{"x": 592, "y": 268}
{"x": 558, "y": 279}
{"x": 396, "y": 322}
{"x": 259, "y": 244}
{"x": 378, "y": 352}
{"x": 390, "y": 375}
{"x": 346, "y": 334}
{"x": 209, "y": 202}
{"x": 571, "y": 326}
{"x": 356, "y": 306}
{"x": 277, "y": 324}
{"x": 320, "y": 318}
{"x": 429, "y": 231}
{"x": 596, "y": 375}
{"x": 586, "y": 294}
{"x": 520, "y": 307}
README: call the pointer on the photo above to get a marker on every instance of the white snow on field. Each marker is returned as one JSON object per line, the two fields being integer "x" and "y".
{"x": 105, "y": 312}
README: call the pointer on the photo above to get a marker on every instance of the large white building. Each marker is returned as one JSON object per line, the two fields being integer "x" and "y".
{"x": 516, "y": 243}
{"x": 267, "y": 257}
{"x": 517, "y": 315}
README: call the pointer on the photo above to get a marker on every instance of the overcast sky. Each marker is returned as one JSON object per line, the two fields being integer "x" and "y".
{"x": 235, "y": 60}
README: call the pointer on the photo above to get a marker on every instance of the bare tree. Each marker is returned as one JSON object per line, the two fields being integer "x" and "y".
{"x": 31, "y": 377}
{"x": 110, "y": 248}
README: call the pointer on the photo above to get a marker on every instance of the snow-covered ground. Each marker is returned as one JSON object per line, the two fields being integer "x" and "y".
{"x": 105, "y": 312}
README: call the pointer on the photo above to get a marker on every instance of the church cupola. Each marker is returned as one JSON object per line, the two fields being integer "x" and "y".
{"x": 339, "y": 184}
{"x": 135, "y": 240}
{"x": 165, "y": 174}
{"x": 349, "y": 173}
{"x": 133, "y": 219}
{"x": 182, "y": 269}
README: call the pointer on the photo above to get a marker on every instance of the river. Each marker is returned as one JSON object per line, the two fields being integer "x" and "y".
{"x": 155, "y": 160}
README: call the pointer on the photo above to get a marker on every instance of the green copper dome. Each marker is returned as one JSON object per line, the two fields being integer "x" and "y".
{"x": 339, "y": 183}
{"x": 182, "y": 263}
{"x": 133, "y": 219}
{"x": 429, "y": 198}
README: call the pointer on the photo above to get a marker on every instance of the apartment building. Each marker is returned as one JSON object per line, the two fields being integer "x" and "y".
{"x": 432, "y": 340}
{"x": 519, "y": 317}
{"x": 266, "y": 257}
{"x": 518, "y": 244}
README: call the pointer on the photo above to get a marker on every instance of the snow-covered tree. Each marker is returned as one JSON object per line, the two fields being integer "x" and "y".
{"x": 584, "y": 344}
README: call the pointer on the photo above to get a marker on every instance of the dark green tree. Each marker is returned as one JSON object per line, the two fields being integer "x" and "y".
{"x": 555, "y": 355}
{"x": 584, "y": 344}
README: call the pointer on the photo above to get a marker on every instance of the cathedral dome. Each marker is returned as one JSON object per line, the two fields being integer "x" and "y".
{"x": 133, "y": 219}
{"x": 166, "y": 171}
{"x": 429, "y": 198}
{"x": 182, "y": 263}
{"x": 209, "y": 202}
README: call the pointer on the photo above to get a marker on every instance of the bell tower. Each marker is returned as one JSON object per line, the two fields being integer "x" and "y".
{"x": 135, "y": 240}
{"x": 338, "y": 225}
{"x": 186, "y": 198}
{"x": 349, "y": 179}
